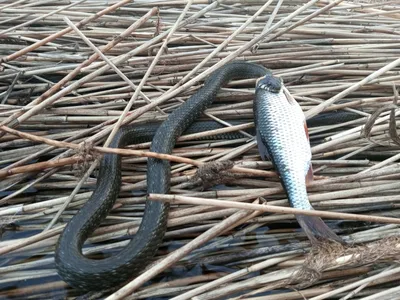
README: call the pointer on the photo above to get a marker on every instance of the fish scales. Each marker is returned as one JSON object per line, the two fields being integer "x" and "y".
{"x": 282, "y": 129}
{"x": 282, "y": 136}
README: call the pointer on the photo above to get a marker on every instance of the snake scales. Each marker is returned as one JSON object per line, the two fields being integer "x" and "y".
{"x": 88, "y": 274}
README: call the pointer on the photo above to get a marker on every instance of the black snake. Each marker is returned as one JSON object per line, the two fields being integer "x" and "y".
{"x": 88, "y": 274}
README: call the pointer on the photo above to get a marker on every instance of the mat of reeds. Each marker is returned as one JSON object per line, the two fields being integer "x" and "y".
{"x": 73, "y": 72}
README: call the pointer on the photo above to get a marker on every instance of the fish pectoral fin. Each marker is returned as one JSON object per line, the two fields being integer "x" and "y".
{"x": 262, "y": 149}
{"x": 309, "y": 175}
{"x": 306, "y": 130}
{"x": 289, "y": 97}
{"x": 316, "y": 229}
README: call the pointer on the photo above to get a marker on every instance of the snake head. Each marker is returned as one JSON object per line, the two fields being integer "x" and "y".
{"x": 270, "y": 83}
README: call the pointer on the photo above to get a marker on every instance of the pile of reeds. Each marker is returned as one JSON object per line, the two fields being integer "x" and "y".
{"x": 71, "y": 71}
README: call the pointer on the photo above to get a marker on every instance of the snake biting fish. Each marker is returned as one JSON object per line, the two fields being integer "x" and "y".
{"x": 280, "y": 129}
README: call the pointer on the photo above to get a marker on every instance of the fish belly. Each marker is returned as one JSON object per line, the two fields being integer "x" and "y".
{"x": 280, "y": 125}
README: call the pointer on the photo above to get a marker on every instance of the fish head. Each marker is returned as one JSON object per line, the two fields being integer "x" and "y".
{"x": 270, "y": 83}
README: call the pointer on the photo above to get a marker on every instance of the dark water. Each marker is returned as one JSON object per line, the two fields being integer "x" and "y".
{"x": 227, "y": 258}
{"x": 7, "y": 290}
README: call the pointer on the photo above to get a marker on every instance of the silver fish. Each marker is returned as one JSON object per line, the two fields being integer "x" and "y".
{"x": 282, "y": 136}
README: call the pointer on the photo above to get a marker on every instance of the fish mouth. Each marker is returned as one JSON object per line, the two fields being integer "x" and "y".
{"x": 269, "y": 83}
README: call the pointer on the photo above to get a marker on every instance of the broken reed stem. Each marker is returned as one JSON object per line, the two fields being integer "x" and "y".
{"x": 31, "y": 240}
{"x": 222, "y": 45}
{"x": 175, "y": 256}
{"x": 272, "y": 209}
{"x": 113, "y": 67}
{"x": 319, "y": 108}
{"x": 356, "y": 284}
{"x": 33, "y": 107}
{"x": 41, "y": 17}
{"x": 116, "y": 127}
{"x": 110, "y": 150}
{"x": 42, "y": 166}
{"x": 74, "y": 192}
{"x": 231, "y": 277}
{"x": 147, "y": 74}
{"x": 63, "y": 32}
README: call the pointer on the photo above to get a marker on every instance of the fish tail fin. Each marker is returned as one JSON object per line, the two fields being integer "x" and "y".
{"x": 316, "y": 229}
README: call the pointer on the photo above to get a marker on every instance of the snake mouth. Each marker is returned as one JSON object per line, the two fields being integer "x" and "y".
{"x": 270, "y": 83}
{"x": 258, "y": 80}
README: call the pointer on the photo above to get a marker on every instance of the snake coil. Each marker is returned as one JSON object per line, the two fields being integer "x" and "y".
{"x": 88, "y": 274}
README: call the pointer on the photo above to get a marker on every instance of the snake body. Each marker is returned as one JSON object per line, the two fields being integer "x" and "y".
{"x": 88, "y": 274}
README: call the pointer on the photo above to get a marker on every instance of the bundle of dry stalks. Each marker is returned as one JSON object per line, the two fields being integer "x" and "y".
{"x": 73, "y": 72}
